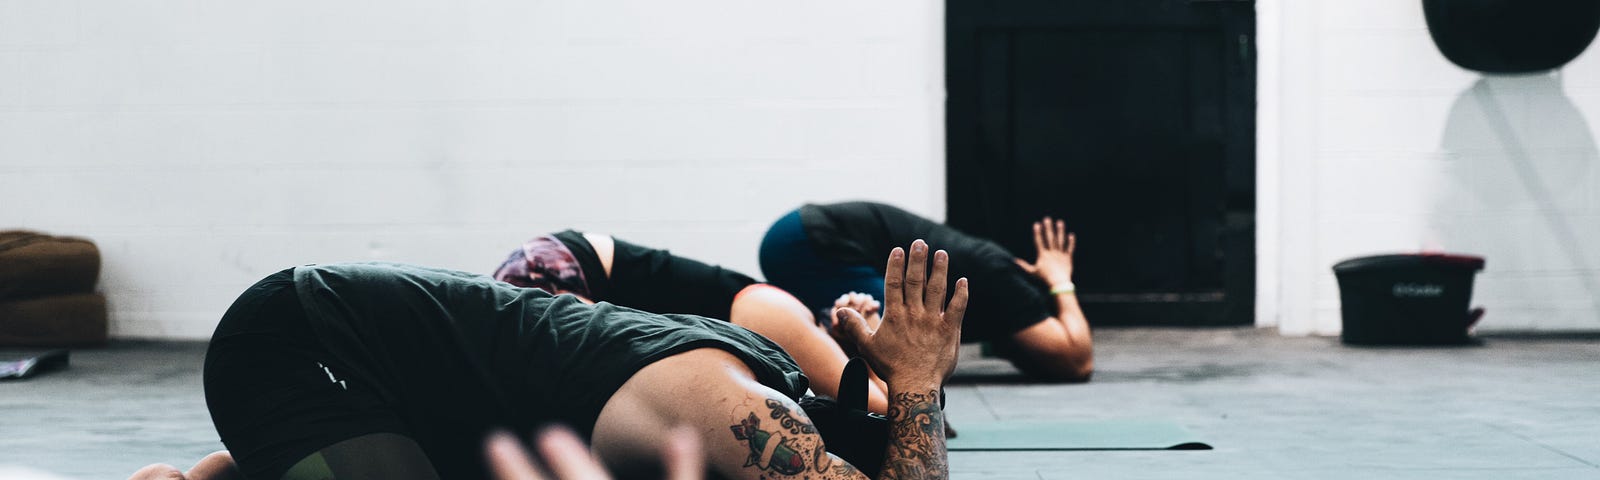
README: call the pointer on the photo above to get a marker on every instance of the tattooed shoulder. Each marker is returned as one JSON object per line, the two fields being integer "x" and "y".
{"x": 788, "y": 445}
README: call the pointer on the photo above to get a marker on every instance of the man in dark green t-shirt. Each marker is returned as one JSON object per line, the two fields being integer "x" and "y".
{"x": 396, "y": 371}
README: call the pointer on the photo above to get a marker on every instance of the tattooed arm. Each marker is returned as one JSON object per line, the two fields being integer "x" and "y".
{"x": 916, "y": 438}
{"x": 753, "y": 432}
{"x": 914, "y": 349}
{"x": 750, "y": 431}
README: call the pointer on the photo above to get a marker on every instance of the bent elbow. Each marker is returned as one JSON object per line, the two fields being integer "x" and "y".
{"x": 1073, "y": 372}
{"x": 1061, "y": 368}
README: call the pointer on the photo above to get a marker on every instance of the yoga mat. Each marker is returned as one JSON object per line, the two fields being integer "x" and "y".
{"x": 1073, "y": 435}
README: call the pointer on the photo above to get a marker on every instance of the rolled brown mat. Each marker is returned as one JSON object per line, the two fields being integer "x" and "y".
{"x": 54, "y": 321}
{"x": 33, "y": 264}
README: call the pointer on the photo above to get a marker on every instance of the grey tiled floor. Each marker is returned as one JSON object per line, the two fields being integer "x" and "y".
{"x": 1273, "y": 407}
{"x": 1310, "y": 408}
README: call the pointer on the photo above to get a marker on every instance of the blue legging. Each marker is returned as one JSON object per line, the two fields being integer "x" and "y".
{"x": 789, "y": 262}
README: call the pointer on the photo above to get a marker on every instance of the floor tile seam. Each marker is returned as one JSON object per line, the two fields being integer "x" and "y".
{"x": 987, "y": 405}
{"x": 1543, "y": 445}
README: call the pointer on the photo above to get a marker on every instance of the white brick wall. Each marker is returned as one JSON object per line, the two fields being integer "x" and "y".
{"x": 206, "y": 144}
{"x": 1372, "y": 142}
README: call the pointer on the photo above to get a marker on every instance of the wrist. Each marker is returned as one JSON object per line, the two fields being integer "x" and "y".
{"x": 925, "y": 398}
{"x": 913, "y": 385}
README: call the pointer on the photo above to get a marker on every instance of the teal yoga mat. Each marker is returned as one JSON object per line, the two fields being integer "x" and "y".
{"x": 1073, "y": 435}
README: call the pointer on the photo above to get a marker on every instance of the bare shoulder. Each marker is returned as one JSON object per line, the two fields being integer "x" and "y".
{"x": 763, "y": 300}
{"x": 604, "y": 247}
{"x": 749, "y": 430}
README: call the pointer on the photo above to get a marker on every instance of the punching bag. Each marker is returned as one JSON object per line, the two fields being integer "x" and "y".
{"x": 1512, "y": 36}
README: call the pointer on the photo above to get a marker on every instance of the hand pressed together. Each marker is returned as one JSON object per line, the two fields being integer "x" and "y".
{"x": 863, "y": 303}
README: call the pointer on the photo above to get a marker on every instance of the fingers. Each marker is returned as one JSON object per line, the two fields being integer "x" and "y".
{"x": 916, "y": 275}
{"x": 1051, "y": 234}
{"x": 1026, "y": 267}
{"x": 862, "y": 302}
{"x": 848, "y": 322}
{"x": 508, "y": 460}
{"x": 685, "y": 459}
{"x": 869, "y": 307}
{"x": 1061, "y": 236}
{"x": 957, "y": 308}
{"x": 1038, "y": 237}
{"x": 865, "y": 304}
{"x": 937, "y": 280}
{"x": 894, "y": 278}
{"x": 567, "y": 457}
{"x": 1072, "y": 243}
{"x": 842, "y": 302}
{"x": 1051, "y": 237}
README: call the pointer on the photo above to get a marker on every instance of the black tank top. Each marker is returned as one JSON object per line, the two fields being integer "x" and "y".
{"x": 655, "y": 280}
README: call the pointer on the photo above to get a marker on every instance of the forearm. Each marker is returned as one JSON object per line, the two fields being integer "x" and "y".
{"x": 1057, "y": 349}
{"x": 916, "y": 435}
{"x": 1074, "y": 324}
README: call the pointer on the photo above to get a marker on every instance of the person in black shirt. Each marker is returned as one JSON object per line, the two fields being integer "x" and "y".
{"x": 825, "y": 254}
{"x": 394, "y": 371}
{"x": 599, "y": 268}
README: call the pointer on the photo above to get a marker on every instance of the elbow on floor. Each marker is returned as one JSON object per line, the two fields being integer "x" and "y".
{"x": 1059, "y": 370}
{"x": 1079, "y": 373}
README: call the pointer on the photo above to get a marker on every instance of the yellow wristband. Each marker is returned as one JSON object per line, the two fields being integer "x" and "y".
{"x": 1063, "y": 288}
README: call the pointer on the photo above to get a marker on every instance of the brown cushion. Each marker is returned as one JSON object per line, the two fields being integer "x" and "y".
{"x": 33, "y": 265}
{"x": 55, "y": 321}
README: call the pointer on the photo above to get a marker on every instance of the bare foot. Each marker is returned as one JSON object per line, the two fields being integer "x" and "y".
{"x": 216, "y": 466}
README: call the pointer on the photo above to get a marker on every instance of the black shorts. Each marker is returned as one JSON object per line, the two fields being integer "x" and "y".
{"x": 277, "y": 395}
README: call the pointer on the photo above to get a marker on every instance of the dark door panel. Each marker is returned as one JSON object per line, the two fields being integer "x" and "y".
{"x": 1133, "y": 120}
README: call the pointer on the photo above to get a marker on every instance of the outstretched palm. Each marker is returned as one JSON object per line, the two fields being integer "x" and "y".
{"x": 1055, "y": 246}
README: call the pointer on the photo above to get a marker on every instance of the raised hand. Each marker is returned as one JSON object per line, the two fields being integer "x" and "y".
{"x": 1054, "y": 246}
{"x": 916, "y": 343}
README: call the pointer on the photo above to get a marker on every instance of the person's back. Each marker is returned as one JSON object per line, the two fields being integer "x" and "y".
{"x": 858, "y": 233}
{"x": 601, "y": 268}
{"x": 285, "y": 419}
{"x": 1030, "y": 311}
{"x": 437, "y": 357}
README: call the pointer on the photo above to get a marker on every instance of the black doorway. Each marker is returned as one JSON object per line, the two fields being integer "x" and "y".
{"x": 1132, "y": 119}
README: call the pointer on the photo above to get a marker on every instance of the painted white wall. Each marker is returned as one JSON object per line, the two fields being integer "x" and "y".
{"x": 1372, "y": 142}
{"x": 206, "y": 144}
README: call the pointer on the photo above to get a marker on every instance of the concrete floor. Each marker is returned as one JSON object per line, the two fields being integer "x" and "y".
{"x": 1273, "y": 407}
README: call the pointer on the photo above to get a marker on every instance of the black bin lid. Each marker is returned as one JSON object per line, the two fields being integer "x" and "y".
{"x": 1409, "y": 260}
{"x": 1511, "y": 36}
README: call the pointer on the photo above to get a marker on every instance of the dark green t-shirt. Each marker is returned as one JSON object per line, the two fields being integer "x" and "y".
{"x": 551, "y": 358}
